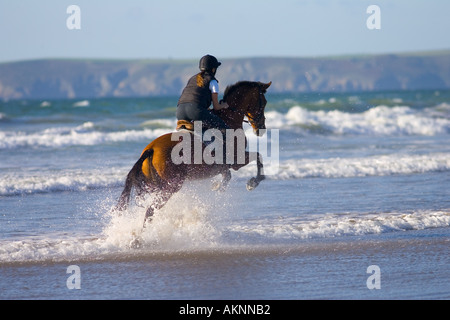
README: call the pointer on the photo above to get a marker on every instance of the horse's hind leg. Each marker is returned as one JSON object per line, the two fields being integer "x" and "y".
{"x": 159, "y": 201}
{"x": 134, "y": 179}
{"x": 156, "y": 205}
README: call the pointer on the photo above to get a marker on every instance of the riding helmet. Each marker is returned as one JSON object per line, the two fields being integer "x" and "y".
{"x": 208, "y": 62}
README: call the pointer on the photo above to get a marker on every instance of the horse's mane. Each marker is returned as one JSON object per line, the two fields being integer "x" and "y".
{"x": 234, "y": 87}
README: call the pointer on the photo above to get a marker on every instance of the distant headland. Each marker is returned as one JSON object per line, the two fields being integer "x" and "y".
{"x": 85, "y": 78}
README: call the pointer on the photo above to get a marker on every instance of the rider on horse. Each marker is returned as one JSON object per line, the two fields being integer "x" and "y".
{"x": 201, "y": 90}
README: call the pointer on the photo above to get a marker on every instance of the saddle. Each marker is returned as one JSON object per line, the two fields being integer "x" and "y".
{"x": 189, "y": 126}
{"x": 185, "y": 125}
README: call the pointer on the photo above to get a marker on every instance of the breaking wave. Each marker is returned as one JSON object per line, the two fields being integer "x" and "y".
{"x": 381, "y": 165}
{"x": 191, "y": 231}
{"x": 379, "y": 121}
{"x": 344, "y": 224}
{"x": 84, "y": 135}
{"x": 69, "y": 180}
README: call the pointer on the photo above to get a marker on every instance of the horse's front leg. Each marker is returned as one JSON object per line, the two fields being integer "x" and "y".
{"x": 254, "y": 182}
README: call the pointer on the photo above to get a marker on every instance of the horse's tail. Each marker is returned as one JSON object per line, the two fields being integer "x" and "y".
{"x": 134, "y": 179}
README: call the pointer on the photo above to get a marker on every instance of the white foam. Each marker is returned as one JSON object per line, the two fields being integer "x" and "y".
{"x": 176, "y": 227}
{"x": 83, "y": 103}
{"x": 439, "y": 111}
{"x": 334, "y": 225}
{"x": 84, "y": 134}
{"x": 67, "y": 180}
{"x": 160, "y": 123}
{"x": 190, "y": 230}
{"x": 381, "y": 165}
{"x": 35, "y": 250}
{"x": 45, "y": 104}
{"x": 380, "y": 120}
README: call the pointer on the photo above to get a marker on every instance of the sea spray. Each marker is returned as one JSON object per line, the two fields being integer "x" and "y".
{"x": 185, "y": 222}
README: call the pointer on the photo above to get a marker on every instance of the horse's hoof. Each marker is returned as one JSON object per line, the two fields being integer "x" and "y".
{"x": 219, "y": 186}
{"x": 136, "y": 243}
{"x": 216, "y": 186}
{"x": 252, "y": 184}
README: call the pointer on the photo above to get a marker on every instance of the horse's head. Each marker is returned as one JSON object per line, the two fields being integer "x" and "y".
{"x": 247, "y": 98}
{"x": 255, "y": 112}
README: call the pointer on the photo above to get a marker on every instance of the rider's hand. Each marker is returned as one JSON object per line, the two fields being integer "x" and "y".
{"x": 224, "y": 105}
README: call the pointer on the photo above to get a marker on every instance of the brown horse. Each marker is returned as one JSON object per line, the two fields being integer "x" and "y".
{"x": 155, "y": 172}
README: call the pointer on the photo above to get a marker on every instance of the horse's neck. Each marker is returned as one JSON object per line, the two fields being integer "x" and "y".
{"x": 233, "y": 117}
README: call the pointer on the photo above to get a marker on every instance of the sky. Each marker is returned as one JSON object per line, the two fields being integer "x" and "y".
{"x": 180, "y": 29}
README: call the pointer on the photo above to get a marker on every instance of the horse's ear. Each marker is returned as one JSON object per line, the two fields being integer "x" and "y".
{"x": 267, "y": 85}
{"x": 264, "y": 86}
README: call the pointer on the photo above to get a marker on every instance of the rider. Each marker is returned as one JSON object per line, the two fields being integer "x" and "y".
{"x": 200, "y": 91}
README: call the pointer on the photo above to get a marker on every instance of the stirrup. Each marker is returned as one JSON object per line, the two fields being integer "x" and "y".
{"x": 185, "y": 125}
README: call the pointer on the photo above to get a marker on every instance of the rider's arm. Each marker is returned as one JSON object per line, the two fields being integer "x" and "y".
{"x": 214, "y": 87}
{"x": 216, "y": 104}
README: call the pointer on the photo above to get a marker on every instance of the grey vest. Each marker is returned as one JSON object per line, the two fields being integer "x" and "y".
{"x": 194, "y": 94}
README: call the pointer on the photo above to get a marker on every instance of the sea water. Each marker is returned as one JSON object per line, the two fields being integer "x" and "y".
{"x": 362, "y": 180}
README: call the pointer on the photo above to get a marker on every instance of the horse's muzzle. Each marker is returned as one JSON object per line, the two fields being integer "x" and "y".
{"x": 259, "y": 131}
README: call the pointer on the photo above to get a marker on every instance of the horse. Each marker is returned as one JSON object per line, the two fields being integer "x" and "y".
{"x": 155, "y": 171}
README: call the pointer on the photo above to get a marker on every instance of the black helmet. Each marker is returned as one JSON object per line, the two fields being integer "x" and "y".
{"x": 208, "y": 62}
